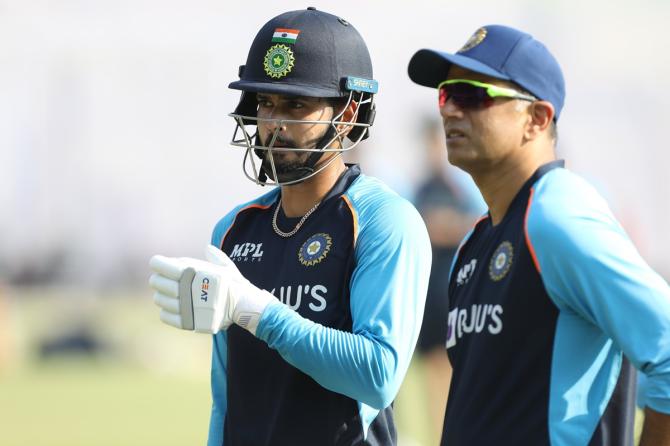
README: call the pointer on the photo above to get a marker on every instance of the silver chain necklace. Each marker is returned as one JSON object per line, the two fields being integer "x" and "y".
{"x": 281, "y": 233}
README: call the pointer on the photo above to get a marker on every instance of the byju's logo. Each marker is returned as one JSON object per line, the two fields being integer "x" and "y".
{"x": 296, "y": 296}
{"x": 466, "y": 272}
{"x": 477, "y": 319}
{"x": 247, "y": 251}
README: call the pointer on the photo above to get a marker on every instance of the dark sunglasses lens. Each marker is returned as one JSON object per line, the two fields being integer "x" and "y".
{"x": 464, "y": 95}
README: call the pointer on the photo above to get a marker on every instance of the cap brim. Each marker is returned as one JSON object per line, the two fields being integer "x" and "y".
{"x": 430, "y": 67}
{"x": 285, "y": 89}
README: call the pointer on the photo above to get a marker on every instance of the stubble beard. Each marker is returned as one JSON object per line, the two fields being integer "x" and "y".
{"x": 288, "y": 165}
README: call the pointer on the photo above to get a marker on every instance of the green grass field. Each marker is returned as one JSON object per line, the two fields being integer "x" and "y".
{"x": 84, "y": 403}
{"x": 148, "y": 386}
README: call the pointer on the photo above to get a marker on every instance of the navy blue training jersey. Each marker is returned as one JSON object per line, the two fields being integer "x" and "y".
{"x": 329, "y": 357}
{"x": 542, "y": 308}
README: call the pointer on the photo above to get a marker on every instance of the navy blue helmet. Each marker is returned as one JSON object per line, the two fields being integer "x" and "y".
{"x": 305, "y": 53}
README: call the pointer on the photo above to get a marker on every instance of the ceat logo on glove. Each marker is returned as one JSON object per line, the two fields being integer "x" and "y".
{"x": 206, "y": 296}
{"x": 203, "y": 289}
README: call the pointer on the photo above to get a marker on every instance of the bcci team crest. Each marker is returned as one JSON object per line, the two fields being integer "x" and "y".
{"x": 501, "y": 261}
{"x": 279, "y": 61}
{"x": 315, "y": 249}
{"x": 477, "y": 38}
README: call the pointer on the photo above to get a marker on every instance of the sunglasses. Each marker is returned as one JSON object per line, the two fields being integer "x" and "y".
{"x": 471, "y": 95}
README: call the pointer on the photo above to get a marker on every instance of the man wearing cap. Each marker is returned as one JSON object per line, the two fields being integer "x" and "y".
{"x": 315, "y": 290}
{"x": 551, "y": 308}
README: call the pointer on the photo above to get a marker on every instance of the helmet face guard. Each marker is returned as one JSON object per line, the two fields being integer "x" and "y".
{"x": 259, "y": 164}
{"x": 305, "y": 53}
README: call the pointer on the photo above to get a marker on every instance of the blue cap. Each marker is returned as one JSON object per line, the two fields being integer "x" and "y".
{"x": 500, "y": 52}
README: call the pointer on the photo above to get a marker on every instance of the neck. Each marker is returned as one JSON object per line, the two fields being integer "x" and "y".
{"x": 297, "y": 199}
{"x": 500, "y": 183}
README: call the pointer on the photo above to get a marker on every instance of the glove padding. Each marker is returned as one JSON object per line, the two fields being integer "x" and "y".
{"x": 206, "y": 296}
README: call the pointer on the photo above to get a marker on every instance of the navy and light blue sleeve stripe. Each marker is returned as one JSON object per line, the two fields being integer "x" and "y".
{"x": 219, "y": 380}
{"x": 388, "y": 291}
{"x": 591, "y": 269}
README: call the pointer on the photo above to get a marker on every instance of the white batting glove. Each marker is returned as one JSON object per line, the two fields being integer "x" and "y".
{"x": 206, "y": 296}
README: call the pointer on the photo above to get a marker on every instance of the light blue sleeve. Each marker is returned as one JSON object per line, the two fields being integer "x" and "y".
{"x": 388, "y": 291}
{"x": 590, "y": 267}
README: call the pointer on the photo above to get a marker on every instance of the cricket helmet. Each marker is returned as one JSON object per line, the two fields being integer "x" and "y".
{"x": 305, "y": 53}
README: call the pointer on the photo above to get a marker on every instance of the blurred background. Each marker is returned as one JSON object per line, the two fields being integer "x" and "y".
{"x": 114, "y": 147}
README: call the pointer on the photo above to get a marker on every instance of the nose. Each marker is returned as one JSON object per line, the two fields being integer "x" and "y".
{"x": 450, "y": 109}
{"x": 272, "y": 121}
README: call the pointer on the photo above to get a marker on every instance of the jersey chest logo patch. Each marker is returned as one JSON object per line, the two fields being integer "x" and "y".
{"x": 315, "y": 249}
{"x": 466, "y": 272}
{"x": 501, "y": 261}
{"x": 243, "y": 252}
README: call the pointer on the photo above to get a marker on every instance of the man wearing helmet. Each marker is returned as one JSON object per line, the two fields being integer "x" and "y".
{"x": 315, "y": 290}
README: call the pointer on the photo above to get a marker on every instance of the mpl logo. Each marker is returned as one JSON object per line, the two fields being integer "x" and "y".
{"x": 244, "y": 251}
{"x": 466, "y": 273}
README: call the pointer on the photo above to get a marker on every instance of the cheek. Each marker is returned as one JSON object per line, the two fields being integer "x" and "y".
{"x": 310, "y": 132}
{"x": 501, "y": 129}
{"x": 299, "y": 132}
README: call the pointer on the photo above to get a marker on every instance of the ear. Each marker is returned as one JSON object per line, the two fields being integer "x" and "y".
{"x": 540, "y": 115}
{"x": 348, "y": 115}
